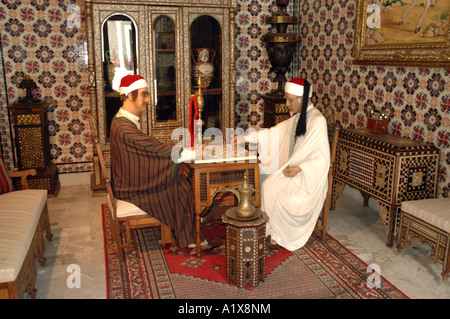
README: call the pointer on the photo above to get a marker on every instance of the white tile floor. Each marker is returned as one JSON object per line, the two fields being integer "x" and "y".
{"x": 76, "y": 222}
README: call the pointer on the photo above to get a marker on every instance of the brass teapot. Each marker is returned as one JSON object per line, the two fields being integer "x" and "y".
{"x": 245, "y": 208}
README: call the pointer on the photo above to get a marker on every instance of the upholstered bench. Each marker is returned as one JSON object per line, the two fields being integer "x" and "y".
{"x": 428, "y": 219}
{"x": 23, "y": 220}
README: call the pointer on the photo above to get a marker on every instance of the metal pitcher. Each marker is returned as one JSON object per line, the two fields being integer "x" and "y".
{"x": 245, "y": 208}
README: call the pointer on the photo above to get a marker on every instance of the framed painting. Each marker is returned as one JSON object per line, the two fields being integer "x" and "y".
{"x": 166, "y": 41}
{"x": 402, "y": 33}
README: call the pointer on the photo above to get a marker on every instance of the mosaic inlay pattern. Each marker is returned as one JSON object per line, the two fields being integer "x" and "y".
{"x": 43, "y": 39}
{"x": 37, "y": 40}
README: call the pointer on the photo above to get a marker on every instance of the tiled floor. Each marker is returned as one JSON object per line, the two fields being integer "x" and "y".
{"x": 76, "y": 222}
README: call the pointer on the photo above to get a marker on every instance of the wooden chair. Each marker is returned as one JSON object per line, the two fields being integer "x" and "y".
{"x": 126, "y": 216}
{"x": 321, "y": 226}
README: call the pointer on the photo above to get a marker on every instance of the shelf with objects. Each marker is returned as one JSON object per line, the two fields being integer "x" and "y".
{"x": 165, "y": 55}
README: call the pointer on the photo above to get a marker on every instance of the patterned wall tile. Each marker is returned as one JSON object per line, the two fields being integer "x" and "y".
{"x": 37, "y": 40}
{"x": 415, "y": 99}
{"x": 43, "y": 39}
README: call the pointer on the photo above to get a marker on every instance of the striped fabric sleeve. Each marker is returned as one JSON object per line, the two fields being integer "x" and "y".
{"x": 144, "y": 141}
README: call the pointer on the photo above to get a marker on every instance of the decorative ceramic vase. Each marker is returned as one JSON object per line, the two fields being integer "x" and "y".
{"x": 203, "y": 65}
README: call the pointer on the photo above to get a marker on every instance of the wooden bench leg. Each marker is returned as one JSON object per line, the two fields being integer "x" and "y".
{"x": 446, "y": 265}
{"x": 46, "y": 225}
{"x": 407, "y": 230}
{"x": 7, "y": 290}
{"x": 404, "y": 236}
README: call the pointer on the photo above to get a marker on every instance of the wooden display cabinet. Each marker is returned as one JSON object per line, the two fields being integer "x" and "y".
{"x": 32, "y": 145}
{"x": 156, "y": 39}
{"x": 275, "y": 109}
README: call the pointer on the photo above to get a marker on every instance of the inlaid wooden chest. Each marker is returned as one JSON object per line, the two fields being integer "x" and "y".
{"x": 389, "y": 168}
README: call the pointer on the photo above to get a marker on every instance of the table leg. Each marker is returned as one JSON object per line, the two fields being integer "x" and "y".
{"x": 366, "y": 198}
{"x": 388, "y": 214}
{"x": 336, "y": 190}
{"x": 197, "y": 208}
{"x": 197, "y": 232}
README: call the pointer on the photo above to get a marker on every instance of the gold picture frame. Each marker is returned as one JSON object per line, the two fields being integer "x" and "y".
{"x": 386, "y": 33}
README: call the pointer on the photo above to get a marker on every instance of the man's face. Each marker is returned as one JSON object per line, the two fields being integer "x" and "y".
{"x": 293, "y": 102}
{"x": 142, "y": 100}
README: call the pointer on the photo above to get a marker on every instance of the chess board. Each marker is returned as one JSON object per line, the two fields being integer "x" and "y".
{"x": 222, "y": 153}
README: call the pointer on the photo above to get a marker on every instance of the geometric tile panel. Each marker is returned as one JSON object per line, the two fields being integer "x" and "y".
{"x": 415, "y": 99}
{"x": 38, "y": 40}
{"x": 418, "y": 178}
{"x": 361, "y": 168}
{"x": 31, "y": 157}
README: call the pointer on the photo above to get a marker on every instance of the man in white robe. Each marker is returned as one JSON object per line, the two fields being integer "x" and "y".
{"x": 293, "y": 192}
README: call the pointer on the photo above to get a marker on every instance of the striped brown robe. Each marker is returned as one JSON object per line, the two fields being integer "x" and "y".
{"x": 144, "y": 174}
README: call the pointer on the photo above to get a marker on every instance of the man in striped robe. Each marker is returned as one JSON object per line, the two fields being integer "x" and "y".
{"x": 143, "y": 172}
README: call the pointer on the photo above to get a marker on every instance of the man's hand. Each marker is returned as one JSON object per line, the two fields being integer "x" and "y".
{"x": 238, "y": 140}
{"x": 187, "y": 155}
{"x": 291, "y": 171}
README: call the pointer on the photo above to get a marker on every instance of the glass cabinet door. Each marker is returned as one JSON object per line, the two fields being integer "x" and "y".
{"x": 119, "y": 60}
{"x": 206, "y": 51}
{"x": 172, "y": 45}
{"x": 165, "y": 75}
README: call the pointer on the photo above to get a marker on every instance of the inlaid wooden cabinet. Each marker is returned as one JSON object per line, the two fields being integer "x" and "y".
{"x": 160, "y": 40}
{"x": 389, "y": 168}
{"x": 275, "y": 110}
{"x": 32, "y": 145}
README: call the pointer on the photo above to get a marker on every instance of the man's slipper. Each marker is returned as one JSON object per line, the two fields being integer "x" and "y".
{"x": 203, "y": 243}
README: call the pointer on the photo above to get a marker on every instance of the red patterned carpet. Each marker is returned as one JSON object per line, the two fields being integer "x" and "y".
{"x": 319, "y": 270}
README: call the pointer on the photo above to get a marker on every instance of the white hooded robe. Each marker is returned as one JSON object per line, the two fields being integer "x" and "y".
{"x": 293, "y": 204}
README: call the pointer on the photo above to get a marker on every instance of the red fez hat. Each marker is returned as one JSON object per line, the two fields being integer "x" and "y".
{"x": 296, "y": 86}
{"x": 129, "y": 83}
